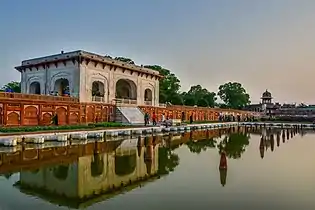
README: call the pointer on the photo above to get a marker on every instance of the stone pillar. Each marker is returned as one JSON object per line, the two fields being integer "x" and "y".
{"x": 156, "y": 100}
{"x": 76, "y": 80}
{"x": 82, "y": 83}
{"x": 23, "y": 85}
{"x": 140, "y": 98}
{"x": 22, "y": 82}
{"x": 111, "y": 87}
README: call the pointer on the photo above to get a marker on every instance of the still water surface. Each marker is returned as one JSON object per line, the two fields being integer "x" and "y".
{"x": 265, "y": 169}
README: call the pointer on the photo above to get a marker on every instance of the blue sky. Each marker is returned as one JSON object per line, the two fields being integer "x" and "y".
{"x": 262, "y": 44}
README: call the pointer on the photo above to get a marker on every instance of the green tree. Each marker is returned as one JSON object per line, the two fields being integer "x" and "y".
{"x": 15, "y": 86}
{"x": 221, "y": 105}
{"x": 234, "y": 95}
{"x": 169, "y": 85}
{"x": 210, "y": 98}
{"x": 177, "y": 99}
{"x": 168, "y": 161}
{"x": 188, "y": 99}
{"x": 126, "y": 60}
{"x": 197, "y": 95}
{"x": 200, "y": 145}
{"x": 202, "y": 102}
{"x": 234, "y": 144}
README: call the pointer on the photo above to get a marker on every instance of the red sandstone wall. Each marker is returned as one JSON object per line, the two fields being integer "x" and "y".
{"x": 18, "y": 111}
{"x": 30, "y": 113}
{"x": 199, "y": 113}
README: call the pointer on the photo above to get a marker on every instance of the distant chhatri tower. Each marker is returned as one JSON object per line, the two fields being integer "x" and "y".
{"x": 265, "y": 105}
{"x": 266, "y": 97}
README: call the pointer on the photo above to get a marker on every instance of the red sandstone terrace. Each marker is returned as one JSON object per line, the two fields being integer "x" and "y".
{"x": 81, "y": 87}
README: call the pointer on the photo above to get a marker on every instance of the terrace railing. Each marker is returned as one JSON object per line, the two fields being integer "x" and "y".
{"x": 123, "y": 101}
{"x": 148, "y": 103}
{"x": 98, "y": 99}
{"x": 162, "y": 105}
{"x": 21, "y": 96}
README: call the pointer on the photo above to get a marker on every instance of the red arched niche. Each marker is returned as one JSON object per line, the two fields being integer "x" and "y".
{"x": 62, "y": 116}
{"x": 30, "y": 116}
{"x": 47, "y": 118}
{"x": 13, "y": 119}
{"x": 73, "y": 118}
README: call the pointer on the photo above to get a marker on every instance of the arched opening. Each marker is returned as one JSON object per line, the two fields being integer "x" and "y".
{"x": 61, "y": 172}
{"x": 126, "y": 164}
{"x": 98, "y": 91}
{"x": 97, "y": 165}
{"x": 126, "y": 89}
{"x": 148, "y": 97}
{"x": 34, "y": 171}
{"x": 62, "y": 87}
{"x": 35, "y": 88}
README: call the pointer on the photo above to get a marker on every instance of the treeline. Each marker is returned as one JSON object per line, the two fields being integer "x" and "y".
{"x": 232, "y": 94}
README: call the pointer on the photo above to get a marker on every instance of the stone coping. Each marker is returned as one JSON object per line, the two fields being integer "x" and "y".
{"x": 141, "y": 128}
{"x": 49, "y": 132}
{"x": 77, "y": 55}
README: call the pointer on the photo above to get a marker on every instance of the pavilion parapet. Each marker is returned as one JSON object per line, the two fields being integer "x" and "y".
{"x": 148, "y": 103}
{"x": 80, "y": 56}
{"x": 123, "y": 101}
{"x": 98, "y": 99}
{"x": 162, "y": 105}
{"x": 5, "y": 95}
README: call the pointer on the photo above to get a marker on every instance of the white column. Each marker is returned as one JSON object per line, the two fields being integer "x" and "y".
{"x": 111, "y": 86}
{"x": 140, "y": 100}
{"x": 23, "y": 82}
{"x": 157, "y": 93}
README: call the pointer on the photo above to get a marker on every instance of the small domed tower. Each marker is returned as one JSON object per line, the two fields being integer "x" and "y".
{"x": 266, "y": 98}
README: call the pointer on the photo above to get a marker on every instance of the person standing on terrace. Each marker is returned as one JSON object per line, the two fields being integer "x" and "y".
{"x": 163, "y": 118}
{"x": 154, "y": 118}
{"x": 55, "y": 120}
{"x": 191, "y": 119}
{"x": 146, "y": 119}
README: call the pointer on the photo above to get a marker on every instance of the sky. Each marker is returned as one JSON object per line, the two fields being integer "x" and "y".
{"x": 263, "y": 45}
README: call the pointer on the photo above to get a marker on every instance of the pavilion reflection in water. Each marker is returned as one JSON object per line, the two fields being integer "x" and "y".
{"x": 97, "y": 176}
{"x": 93, "y": 175}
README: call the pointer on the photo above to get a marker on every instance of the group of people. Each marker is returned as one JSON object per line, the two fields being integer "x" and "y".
{"x": 164, "y": 120}
{"x": 147, "y": 117}
{"x": 229, "y": 118}
{"x": 154, "y": 119}
{"x": 233, "y": 118}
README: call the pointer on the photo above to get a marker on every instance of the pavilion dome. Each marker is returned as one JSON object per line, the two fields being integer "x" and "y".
{"x": 266, "y": 94}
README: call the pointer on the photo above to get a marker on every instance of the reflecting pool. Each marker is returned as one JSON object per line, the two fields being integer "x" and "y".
{"x": 234, "y": 168}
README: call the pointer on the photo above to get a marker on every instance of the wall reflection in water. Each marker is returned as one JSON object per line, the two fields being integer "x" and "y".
{"x": 268, "y": 136}
{"x": 111, "y": 166}
{"x": 132, "y": 161}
